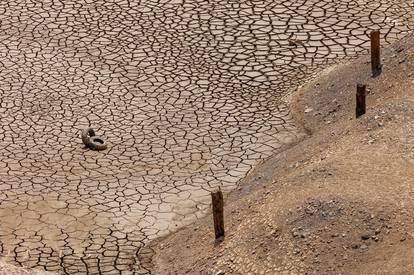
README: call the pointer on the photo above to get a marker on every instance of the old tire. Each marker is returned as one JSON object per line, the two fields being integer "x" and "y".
{"x": 97, "y": 143}
{"x": 86, "y": 135}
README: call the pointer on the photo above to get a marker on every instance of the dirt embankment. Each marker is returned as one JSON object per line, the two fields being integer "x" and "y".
{"x": 339, "y": 202}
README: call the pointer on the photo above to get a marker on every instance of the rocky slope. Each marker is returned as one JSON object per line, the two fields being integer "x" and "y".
{"x": 338, "y": 202}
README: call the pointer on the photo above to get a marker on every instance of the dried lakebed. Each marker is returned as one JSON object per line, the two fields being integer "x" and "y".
{"x": 189, "y": 95}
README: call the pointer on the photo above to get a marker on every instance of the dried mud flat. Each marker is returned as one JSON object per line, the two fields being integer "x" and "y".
{"x": 190, "y": 96}
{"x": 338, "y": 202}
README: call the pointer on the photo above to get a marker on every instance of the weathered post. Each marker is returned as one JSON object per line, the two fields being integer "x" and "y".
{"x": 360, "y": 100}
{"x": 217, "y": 203}
{"x": 375, "y": 53}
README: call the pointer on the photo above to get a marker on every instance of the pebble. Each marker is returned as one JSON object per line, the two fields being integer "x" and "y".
{"x": 355, "y": 246}
{"x": 366, "y": 236}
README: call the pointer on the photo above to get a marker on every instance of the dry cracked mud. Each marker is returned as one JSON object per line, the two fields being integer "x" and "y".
{"x": 189, "y": 95}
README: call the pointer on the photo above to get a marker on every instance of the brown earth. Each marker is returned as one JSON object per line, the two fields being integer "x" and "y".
{"x": 339, "y": 202}
{"x": 9, "y": 269}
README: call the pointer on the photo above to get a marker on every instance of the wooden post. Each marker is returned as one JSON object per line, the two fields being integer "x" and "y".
{"x": 217, "y": 202}
{"x": 375, "y": 53}
{"x": 360, "y": 100}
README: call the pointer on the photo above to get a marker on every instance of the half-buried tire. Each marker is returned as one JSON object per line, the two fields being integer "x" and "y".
{"x": 96, "y": 143}
{"x": 86, "y": 135}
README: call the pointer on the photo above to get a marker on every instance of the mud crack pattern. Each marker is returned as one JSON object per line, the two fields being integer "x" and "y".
{"x": 189, "y": 96}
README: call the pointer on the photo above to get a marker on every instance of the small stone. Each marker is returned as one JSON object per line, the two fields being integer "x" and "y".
{"x": 364, "y": 247}
{"x": 355, "y": 246}
{"x": 366, "y": 236}
{"x": 308, "y": 110}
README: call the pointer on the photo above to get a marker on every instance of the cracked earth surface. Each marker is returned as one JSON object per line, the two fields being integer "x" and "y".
{"x": 189, "y": 96}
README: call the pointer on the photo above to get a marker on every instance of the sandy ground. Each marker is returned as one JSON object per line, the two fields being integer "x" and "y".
{"x": 338, "y": 202}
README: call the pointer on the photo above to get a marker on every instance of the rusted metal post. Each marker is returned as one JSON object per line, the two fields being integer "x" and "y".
{"x": 360, "y": 100}
{"x": 375, "y": 53}
{"x": 217, "y": 202}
